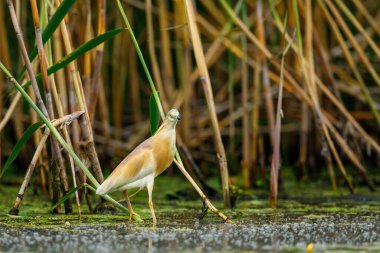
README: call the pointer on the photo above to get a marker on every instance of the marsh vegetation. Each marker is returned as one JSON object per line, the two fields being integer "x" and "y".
{"x": 278, "y": 99}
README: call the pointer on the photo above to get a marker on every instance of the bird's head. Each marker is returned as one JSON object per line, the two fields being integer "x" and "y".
{"x": 173, "y": 115}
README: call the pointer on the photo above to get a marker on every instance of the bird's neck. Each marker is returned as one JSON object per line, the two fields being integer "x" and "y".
{"x": 167, "y": 125}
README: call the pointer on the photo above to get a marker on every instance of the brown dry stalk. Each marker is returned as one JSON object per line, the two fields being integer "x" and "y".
{"x": 308, "y": 73}
{"x": 29, "y": 173}
{"x": 265, "y": 77}
{"x": 96, "y": 74}
{"x": 56, "y": 153}
{"x": 350, "y": 61}
{"x": 152, "y": 54}
{"x": 358, "y": 26}
{"x": 64, "y": 121}
{"x": 363, "y": 57}
{"x": 61, "y": 114}
{"x": 351, "y": 155}
{"x": 214, "y": 11}
{"x": 205, "y": 79}
{"x": 40, "y": 103}
{"x": 292, "y": 86}
{"x": 371, "y": 20}
{"x": 166, "y": 55}
{"x": 84, "y": 120}
{"x": 25, "y": 57}
{"x": 10, "y": 111}
{"x": 244, "y": 90}
{"x": 183, "y": 58}
{"x": 133, "y": 78}
{"x": 276, "y": 158}
{"x": 119, "y": 75}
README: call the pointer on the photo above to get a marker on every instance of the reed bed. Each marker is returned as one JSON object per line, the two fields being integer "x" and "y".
{"x": 260, "y": 84}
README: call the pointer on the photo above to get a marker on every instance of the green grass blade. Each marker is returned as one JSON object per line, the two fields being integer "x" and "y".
{"x": 79, "y": 51}
{"x": 17, "y": 148}
{"x": 154, "y": 114}
{"x": 54, "y": 22}
{"x": 67, "y": 196}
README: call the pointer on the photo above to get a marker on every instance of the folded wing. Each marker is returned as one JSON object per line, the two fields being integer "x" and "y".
{"x": 138, "y": 164}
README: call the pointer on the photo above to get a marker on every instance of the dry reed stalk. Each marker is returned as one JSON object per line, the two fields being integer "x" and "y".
{"x": 301, "y": 94}
{"x": 32, "y": 78}
{"x": 66, "y": 120}
{"x": 154, "y": 63}
{"x": 29, "y": 173}
{"x": 119, "y": 76}
{"x": 295, "y": 89}
{"x": 304, "y": 107}
{"x": 133, "y": 78}
{"x": 265, "y": 77}
{"x": 371, "y": 20}
{"x": 184, "y": 66}
{"x": 59, "y": 108}
{"x": 25, "y": 56}
{"x": 260, "y": 43}
{"x": 37, "y": 135}
{"x": 220, "y": 37}
{"x": 326, "y": 66}
{"x": 352, "y": 156}
{"x": 205, "y": 79}
{"x": 339, "y": 106}
{"x": 56, "y": 153}
{"x": 276, "y": 158}
{"x": 104, "y": 113}
{"x": 350, "y": 60}
{"x": 166, "y": 55}
{"x": 88, "y": 56}
{"x": 268, "y": 100}
{"x": 4, "y": 55}
{"x": 358, "y": 26}
{"x": 231, "y": 104}
{"x": 214, "y": 11}
{"x": 308, "y": 72}
{"x": 255, "y": 117}
{"x": 92, "y": 97}
{"x": 363, "y": 57}
{"x": 84, "y": 120}
{"x": 244, "y": 90}
{"x": 314, "y": 100}
{"x": 10, "y": 111}
{"x": 60, "y": 74}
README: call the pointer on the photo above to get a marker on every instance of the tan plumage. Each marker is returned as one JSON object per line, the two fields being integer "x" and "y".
{"x": 145, "y": 162}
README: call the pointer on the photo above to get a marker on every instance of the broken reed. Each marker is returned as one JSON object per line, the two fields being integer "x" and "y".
{"x": 253, "y": 35}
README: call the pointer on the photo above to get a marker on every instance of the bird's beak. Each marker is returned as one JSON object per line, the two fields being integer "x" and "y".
{"x": 179, "y": 117}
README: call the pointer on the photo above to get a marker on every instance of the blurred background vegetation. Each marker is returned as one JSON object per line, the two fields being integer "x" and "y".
{"x": 330, "y": 104}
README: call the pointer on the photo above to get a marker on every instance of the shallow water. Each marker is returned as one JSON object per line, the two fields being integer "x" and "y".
{"x": 332, "y": 222}
{"x": 264, "y": 233}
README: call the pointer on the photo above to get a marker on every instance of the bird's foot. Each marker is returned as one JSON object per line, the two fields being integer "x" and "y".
{"x": 134, "y": 213}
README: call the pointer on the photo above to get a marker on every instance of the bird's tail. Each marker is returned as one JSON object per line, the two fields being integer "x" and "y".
{"x": 103, "y": 188}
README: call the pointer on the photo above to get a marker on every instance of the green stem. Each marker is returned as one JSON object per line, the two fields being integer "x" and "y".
{"x": 150, "y": 80}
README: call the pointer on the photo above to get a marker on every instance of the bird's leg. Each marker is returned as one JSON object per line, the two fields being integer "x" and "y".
{"x": 131, "y": 212}
{"x": 149, "y": 186}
